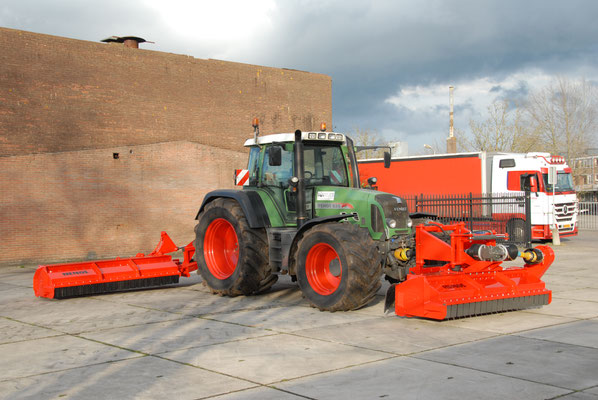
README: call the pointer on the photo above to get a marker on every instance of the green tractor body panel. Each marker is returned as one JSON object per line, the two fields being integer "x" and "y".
{"x": 367, "y": 208}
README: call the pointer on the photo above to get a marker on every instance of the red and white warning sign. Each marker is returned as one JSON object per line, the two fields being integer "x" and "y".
{"x": 241, "y": 177}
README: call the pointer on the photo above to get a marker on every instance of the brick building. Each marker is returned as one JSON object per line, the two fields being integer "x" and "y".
{"x": 103, "y": 146}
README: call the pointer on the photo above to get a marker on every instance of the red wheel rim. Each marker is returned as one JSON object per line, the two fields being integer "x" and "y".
{"x": 221, "y": 248}
{"x": 317, "y": 269}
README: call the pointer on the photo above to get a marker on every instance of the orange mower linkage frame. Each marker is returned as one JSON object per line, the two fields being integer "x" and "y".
{"x": 95, "y": 277}
{"x": 462, "y": 276}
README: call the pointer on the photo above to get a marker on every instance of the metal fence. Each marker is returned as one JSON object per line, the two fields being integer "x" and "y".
{"x": 499, "y": 212}
{"x": 588, "y": 215}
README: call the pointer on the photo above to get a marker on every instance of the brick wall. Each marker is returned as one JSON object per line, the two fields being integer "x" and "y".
{"x": 177, "y": 122}
{"x": 60, "y": 94}
{"x": 86, "y": 204}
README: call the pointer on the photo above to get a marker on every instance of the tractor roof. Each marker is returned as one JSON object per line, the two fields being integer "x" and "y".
{"x": 290, "y": 137}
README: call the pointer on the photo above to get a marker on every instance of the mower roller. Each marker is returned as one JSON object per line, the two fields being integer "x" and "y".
{"x": 458, "y": 273}
{"x": 60, "y": 281}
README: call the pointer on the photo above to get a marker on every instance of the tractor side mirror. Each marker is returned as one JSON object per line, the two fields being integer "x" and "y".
{"x": 386, "y": 159}
{"x": 372, "y": 183}
{"x": 275, "y": 156}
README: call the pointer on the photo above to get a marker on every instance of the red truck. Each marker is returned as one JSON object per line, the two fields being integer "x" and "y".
{"x": 483, "y": 172}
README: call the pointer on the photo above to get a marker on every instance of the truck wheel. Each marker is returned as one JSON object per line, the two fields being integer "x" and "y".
{"x": 338, "y": 267}
{"x": 232, "y": 258}
{"x": 516, "y": 230}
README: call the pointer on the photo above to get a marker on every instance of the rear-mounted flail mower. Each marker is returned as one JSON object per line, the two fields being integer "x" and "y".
{"x": 303, "y": 213}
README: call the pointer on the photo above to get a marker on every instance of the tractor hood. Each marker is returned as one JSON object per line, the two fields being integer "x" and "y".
{"x": 382, "y": 213}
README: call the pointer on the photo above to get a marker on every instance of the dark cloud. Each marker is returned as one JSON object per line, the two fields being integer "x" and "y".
{"x": 371, "y": 50}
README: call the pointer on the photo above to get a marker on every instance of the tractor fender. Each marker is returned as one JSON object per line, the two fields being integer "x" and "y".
{"x": 250, "y": 201}
{"x": 320, "y": 220}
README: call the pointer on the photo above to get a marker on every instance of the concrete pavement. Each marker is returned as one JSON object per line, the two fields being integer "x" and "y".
{"x": 184, "y": 343}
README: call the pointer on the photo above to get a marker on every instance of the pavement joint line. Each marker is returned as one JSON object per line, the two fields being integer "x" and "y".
{"x": 487, "y": 372}
{"x": 18, "y": 285}
{"x": 282, "y": 380}
{"x": 556, "y": 341}
{"x": 143, "y": 354}
{"x": 207, "y": 317}
{"x": 58, "y": 333}
{"x": 214, "y": 344}
{"x": 127, "y": 326}
{"x": 334, "y": 370}
{"x": 393, "y": 354}
{"x": 200, "y": 315}
{"x": 207, "y": 369}
{"x": 289, "y": 392}
{"x": 267, "y": 385}
{"x": 69, "y": 369}
{"x": 255, "y": 387}
{"x": 560, "y": 396}
{"x": 169, "y": 351}
{"x": 553, "y": 325}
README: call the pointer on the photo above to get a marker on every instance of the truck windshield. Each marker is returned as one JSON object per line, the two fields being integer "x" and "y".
{"x": 564, "y": 183}
{"x": 324, "y": 165}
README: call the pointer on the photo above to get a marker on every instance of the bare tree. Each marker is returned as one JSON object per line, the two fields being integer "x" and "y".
{"x": 367, "y": 138}
{"x": 565, "y": 116}
{"x": 503, "y": 130}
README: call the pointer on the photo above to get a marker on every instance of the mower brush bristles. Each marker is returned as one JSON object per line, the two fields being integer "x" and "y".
{"x": 111, "y": 287}
{"x": 496, "y": 306}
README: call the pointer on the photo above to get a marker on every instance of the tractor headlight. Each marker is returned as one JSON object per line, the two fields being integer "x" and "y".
{"x": 409, "y": 222}
{"x": 391, "y": 223}
{"x": 311, "y": 135}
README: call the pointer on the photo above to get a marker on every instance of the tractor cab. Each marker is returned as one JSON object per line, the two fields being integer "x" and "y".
{"x": 328, "y": 163}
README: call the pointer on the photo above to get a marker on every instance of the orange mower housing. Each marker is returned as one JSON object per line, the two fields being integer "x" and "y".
{"x": 60, "y": 281}
{"x": 451, "y": 280}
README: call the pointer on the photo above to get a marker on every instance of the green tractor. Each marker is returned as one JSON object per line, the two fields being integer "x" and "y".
{"x": 303, "y": 213}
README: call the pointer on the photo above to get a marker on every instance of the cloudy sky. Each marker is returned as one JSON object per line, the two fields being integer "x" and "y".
{"x": 391, "y": 62}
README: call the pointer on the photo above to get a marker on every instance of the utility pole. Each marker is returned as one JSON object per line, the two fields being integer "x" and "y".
{"x": 451, "y": 141}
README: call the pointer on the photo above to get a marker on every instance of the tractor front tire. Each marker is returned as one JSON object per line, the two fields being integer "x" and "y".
{"x": 338, "y": 267}
{"x": 232, "y": 258}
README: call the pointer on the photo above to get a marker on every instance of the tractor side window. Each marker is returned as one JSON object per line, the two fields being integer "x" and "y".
{"x": 254, "y": 156}
{"x": 277, "y": 175}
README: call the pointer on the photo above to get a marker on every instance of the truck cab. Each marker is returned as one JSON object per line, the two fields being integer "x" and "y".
{"x": 550, "y": 203}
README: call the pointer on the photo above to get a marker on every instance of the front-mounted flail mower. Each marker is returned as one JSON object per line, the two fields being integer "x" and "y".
{"x": 457, "y": 273}
{"x": 303, "y": 213}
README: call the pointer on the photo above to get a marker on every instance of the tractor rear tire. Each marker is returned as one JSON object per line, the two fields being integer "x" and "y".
{"x": 232, "y": 258}
{"x": 338, "y": 267}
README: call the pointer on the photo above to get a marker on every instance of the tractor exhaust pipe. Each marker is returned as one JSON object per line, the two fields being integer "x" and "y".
{"x": 300, "y": 172}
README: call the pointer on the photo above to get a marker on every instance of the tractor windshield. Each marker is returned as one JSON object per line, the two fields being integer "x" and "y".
{"x": 324, "y": 165}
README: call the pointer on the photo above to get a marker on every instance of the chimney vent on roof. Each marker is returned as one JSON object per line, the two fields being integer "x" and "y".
{"x": 128, "y": 41}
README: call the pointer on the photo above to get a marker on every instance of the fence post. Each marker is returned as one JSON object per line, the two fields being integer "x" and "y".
{"x": 470, "y": 211}
{"x": 528, "y": 218}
